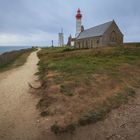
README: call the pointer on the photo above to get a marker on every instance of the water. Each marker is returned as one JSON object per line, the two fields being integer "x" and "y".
{"x": 12, "y": 48}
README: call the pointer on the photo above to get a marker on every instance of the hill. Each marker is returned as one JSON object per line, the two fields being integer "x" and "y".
{"x": 82, "y": 86}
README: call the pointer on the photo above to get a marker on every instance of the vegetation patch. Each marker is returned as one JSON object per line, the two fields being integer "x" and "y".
{"x": 14, "y": 59}
{"x": 89, "y": 83}
{"x": 55, "y": 128}
{"x": 58, "y": 129}
{"x": 109, "y": 104}
{"x": 44, "y": 113}
{"x": 67, "y": 89}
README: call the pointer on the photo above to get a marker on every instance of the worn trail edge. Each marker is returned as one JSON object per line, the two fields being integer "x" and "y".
{"x": 18, "y": 114}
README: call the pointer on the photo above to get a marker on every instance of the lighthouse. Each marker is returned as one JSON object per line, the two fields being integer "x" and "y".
{"x": 78, "y": 22}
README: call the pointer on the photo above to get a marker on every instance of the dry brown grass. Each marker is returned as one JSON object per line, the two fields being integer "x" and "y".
{"x": 71, "y": 95}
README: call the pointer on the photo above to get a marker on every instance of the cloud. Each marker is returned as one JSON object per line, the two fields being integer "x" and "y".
{"x": 26, "y": 40}
{"x": 38, "y": 22}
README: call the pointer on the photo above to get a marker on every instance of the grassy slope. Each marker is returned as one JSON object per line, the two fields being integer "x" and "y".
{"x": 81, "y": 86}
{"x": 16, "y": 63}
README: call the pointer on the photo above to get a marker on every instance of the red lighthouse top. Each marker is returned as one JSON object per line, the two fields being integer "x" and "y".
{"x": 78, "y": 15}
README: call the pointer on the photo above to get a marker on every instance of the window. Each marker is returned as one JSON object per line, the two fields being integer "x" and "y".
{"x": 86, "y": 44}
{"x": 113, "y": 37}
{"x": 97, "y": 42}
{"x": 91, "y": 43}
{"x": 79, "y": 44}
{"x": 83, "y": 44}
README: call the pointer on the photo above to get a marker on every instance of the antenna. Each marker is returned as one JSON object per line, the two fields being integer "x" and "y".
{"x": 52, "y": 44}
{"x": 61, "y": 30}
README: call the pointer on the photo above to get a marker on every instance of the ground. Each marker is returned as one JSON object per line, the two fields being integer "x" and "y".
{"x": 20, "y": 119}
{"x": 81, "y": 86}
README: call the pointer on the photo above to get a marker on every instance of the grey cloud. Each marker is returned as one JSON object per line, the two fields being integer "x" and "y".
{"x": 25, "y": 17}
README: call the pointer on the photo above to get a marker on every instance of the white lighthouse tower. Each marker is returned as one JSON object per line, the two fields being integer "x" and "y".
{"x": 78, "y": 22}
{"x": 61, "y": 39}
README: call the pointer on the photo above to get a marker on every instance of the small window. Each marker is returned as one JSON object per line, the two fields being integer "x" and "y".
{"x": 91, "y": 43}
{"x": 86, "y": 44}
{"x": 83, "y": 44}
{"x": 79, "y": 44}
{"x": 113, "y": 36}
{"x": 97, "y": 43}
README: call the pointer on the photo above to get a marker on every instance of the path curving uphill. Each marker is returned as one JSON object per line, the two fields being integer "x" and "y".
{"x": 18, "y": 114}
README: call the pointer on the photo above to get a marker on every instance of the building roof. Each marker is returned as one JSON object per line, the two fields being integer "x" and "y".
{"x": 95, "y": 31}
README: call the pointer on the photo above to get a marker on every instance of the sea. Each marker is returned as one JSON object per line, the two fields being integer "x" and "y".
{"x": 4, "y": 49}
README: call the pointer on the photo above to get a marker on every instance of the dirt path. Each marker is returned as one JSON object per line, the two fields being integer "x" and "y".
{"x": 18, "y": 114}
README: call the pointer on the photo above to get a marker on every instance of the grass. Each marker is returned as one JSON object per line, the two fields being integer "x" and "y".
{"x": 82, "y": 86}
{"x": 44, "y": 113}
{"x": 109, "y": 104}
{"x": 66, "y": 90}
{"x": 87, "y": 63}
{"x": 19, "y": 61}
{"x": 57, "y": 129}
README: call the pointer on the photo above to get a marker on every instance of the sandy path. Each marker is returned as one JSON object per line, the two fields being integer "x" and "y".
{"x": 18, "y": 114}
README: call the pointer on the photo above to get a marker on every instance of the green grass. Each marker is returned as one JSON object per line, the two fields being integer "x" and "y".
{"x": 55, "y": 128}
{"x": 102, "y": 74}
{"x": 80, "y": 65}
{"x": 19, "y": 61}
{"x": 100, "y": 113}
{"x": 66, "y": 90}
{"x": 44, "y": 113}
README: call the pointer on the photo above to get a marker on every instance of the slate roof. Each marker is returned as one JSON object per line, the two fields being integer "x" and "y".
{"x": 95, "y": 31}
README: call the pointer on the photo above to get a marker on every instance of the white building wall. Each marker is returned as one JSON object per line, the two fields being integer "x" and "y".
{"x": 78, "y": 26}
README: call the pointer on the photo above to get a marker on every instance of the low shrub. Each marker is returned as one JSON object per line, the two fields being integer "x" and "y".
{"x": 70, "y": 128}
{"x": 66, "y": 90}
{"x": 109, "y": 104}
{"x": 55, "y": 128}
{"x": 44, "y": 113}
{"x": 91, "y": 117}
{"x": 67, "y": 49}
{"x": 42, "y": 103}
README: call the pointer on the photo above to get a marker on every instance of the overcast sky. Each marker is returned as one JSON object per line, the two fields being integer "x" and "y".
{"x": 37, "y": 22}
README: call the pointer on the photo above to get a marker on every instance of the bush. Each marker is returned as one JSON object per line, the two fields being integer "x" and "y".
{"x": 55, "y": 128}
{"x": 66, "y": 90}
{"x": 42, "y": 103}
{"x": 70, "y": 128}
{"x": 67, "y": 49}
{"x": 44, "y": 113}
{"x": 130, "y": 91}
{"x": 91, "y": 117}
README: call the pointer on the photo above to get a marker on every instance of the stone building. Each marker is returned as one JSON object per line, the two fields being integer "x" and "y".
{"x": 71, "y": 41}
{"x": 107, "y": 34}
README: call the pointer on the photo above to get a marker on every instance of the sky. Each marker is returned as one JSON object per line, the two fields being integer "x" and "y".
{"x": 37, "y": 22}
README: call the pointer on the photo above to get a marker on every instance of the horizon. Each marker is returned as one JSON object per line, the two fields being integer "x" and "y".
{"x": 38, "y": 24}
